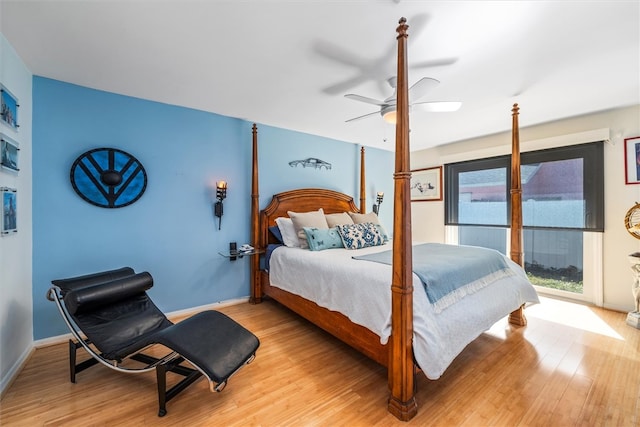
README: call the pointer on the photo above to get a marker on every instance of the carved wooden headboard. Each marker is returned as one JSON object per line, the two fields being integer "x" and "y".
{"x": 302, "y": 200}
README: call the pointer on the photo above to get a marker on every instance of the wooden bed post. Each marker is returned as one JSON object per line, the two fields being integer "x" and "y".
{"x": 254, "y": 261}
{"x": 517, "y": 255}
{"x": 402, "y": 402}
{"x": 363, "y": 186}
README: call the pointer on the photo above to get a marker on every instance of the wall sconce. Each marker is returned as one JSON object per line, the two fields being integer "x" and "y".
{"x": 221, "y": 194}
{"x": 376, "y": 206}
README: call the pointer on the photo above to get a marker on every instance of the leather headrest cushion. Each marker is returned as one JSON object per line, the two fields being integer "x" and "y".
{"x": 90, "y": 298}
{"x": 67, "y": 285}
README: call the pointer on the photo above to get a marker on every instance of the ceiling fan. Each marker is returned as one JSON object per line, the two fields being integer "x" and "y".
{"x": 376, "y": 68}
{"x": 417, "y": 91}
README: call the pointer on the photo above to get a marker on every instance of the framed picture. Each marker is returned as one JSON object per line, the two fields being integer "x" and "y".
{"x": 9, "y": 110}
{"x": 8, "y": 153}
{"x": 426, "y": 184}
{"x": 632, "y": 160}
{"x": 9, "y": 211}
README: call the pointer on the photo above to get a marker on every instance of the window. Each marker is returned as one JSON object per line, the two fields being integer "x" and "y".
{"x": 562, "y": 197}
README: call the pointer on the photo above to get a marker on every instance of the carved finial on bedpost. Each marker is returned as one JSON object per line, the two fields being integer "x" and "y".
{"x": 402, "y": 27}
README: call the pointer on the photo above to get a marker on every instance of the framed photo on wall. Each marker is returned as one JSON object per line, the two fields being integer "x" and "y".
{"x": 9, "y": 108}
{"x": 426, "y": 184}
{"x": 632, "y": 160}
{"x": 8, "y": 153}
{"x": 9, "y": 211}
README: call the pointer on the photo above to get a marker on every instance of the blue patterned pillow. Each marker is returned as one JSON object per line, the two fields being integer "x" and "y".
{"x": 323, "y": 238}
{"x": 358, "y": 236}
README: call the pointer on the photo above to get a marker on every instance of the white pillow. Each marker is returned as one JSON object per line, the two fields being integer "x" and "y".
{"x": 338, "y": 219}
{"x": 288, "y": 231}
{"x": 359, "y": 218}
{"x": 307, "y": 219}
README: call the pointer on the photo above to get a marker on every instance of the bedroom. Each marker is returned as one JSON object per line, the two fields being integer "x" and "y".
{"x": 63, "y": 226}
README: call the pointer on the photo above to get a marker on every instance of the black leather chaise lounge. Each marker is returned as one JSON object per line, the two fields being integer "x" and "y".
{"x": 114, "y": 320}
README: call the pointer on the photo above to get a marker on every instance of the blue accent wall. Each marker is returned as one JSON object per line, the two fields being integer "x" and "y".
{"x": 170, "y": 231}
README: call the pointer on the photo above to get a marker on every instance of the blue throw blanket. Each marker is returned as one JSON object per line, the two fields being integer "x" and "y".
{"x": 449, "y": 272}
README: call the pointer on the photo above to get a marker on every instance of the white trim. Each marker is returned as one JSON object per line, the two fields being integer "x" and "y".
{"x": 533, "y": 145}
{"x": 615, "y": 307}
{"x": 451, "y": 234}
{"x": 17, "y": 367}
{"x": 593, "y": 268}
{"x": 213, "y": 306}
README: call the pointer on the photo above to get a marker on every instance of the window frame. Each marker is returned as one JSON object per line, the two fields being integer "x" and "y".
{"x": 592, "y": 154}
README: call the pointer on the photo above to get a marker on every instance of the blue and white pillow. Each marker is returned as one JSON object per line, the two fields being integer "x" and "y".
{"x": 358, "y": 236}
{"x": 320, "y": 239}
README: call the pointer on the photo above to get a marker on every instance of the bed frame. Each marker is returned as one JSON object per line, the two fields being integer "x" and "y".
{"x": 397, "y": 355}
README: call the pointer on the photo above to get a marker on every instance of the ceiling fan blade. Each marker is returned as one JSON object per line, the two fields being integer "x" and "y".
{"x": 438, "y": 106}
{"x": 340, "y": 87}
{"x": 421, "y": 87}
{"x": 337, "y": 53}
{"x": 434, "y": 63}
{"x": 361, "y": 117}
{"x": 365, "y": 99}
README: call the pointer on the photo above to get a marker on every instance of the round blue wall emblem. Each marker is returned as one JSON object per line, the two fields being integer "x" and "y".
{"x": 108, "y": 177}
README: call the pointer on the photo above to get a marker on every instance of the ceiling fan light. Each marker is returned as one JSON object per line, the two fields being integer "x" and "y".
{"x": 389, "y": 115}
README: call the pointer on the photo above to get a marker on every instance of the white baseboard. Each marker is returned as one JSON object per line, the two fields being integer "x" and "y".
{"x": 214, "y": 306}
{"x": 12, "y": 374}
{"x": 620, "y": 308}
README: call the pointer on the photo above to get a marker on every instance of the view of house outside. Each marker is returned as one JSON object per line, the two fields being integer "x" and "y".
{"x": 553, "y": 202}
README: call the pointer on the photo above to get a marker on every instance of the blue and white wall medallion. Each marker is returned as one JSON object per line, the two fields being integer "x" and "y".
{"x": 108, "y": 177}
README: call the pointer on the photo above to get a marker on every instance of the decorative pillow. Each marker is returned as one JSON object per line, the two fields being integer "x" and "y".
{"x": 358, "y": 236}
{"x": 383, "y": 232}
{"x": 288, "y": 232}
{"x": 275, "y": 231}
{"x": 359, "y": 218}
{"x": 307, "y": 219}
{"x": 320, "y": 239}
{"x": 338, "y": 219}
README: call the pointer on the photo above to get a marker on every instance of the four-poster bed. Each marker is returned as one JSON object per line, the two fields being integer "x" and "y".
{"x": 398, "y": 353}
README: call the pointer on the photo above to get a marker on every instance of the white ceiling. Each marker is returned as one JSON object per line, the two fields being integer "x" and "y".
{"x": 280, "y": 62}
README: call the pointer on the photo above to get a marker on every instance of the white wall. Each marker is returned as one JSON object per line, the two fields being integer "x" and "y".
{"x": 428, "y": 217}
{"x": 16, "y": 307}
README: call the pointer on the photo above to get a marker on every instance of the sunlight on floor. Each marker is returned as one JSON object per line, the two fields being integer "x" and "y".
{"x": 571, "y": 314}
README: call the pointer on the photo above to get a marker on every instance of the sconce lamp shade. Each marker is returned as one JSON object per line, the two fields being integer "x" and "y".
{"x": 221, "y": 190}
{"x": 376, "y": 206}
{"x": 221, "y": 194}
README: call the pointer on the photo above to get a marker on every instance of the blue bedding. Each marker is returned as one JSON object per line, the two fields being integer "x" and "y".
{"x": 449, "y": 272}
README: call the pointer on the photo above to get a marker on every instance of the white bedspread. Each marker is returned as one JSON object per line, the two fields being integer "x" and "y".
{"x": 361, "y": 290}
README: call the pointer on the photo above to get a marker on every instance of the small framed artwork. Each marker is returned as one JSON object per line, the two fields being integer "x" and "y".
{"x": 9, "y": 211}
{"x": 9, "y": 111}
{"x": 8, "y": 153}
{"x": 632, "y": 160}
{"x": 426, "y": 184}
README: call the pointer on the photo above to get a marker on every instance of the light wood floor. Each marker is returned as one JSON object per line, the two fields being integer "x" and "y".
{"x": 572, "y": 365}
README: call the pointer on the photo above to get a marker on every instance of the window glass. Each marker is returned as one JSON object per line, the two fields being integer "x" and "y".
{"x": 554, "y": 259}
{"x": 487, "y": 237}
{"x": 561, "y": 188}
{"x": 482, "y": 197}
{"x": 552, "y": 194}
